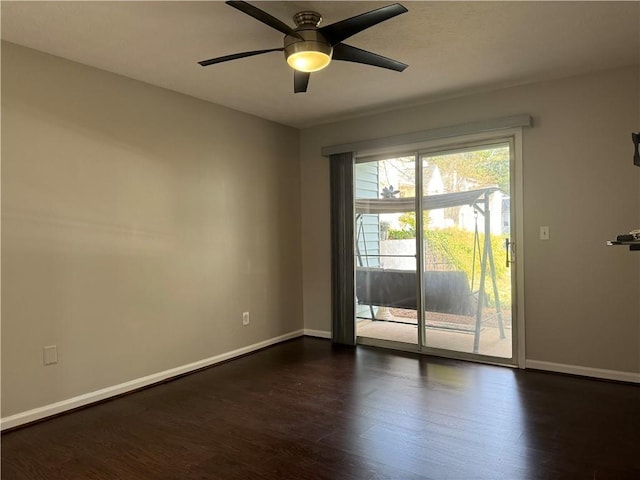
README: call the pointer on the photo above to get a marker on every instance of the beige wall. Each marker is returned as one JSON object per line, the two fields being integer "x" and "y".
{"x": 137, "y": 225}
{"x": 582, "y": 298}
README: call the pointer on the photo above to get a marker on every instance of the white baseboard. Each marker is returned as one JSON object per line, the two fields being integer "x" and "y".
{"x": 617, "y": 375}
{"x": 105, "y": 393}
{"x": 317, "y": 333}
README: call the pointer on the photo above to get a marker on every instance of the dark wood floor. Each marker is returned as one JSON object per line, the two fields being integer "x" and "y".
{"x": 305, "y": 410}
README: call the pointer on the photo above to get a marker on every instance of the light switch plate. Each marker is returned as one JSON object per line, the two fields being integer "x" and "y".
{"x": 544, "y": 233}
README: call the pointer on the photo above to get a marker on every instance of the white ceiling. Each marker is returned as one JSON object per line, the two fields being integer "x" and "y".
{"x": 452, "y": 48}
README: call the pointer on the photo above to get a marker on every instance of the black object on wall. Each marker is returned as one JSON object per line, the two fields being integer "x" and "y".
{"x": 636, "y": 141}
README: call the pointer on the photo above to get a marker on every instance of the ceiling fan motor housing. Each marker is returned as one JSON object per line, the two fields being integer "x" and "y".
{"x": 308, "y": 38}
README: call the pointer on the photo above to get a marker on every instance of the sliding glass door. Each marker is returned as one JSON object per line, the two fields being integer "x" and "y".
{"x": 385, "y": 248}
{"x": 465, "y": 236}
{"x": 432, "y": 233}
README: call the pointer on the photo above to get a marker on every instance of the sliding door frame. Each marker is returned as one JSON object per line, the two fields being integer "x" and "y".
{"x": 506, "y": 129}
{"x": 512, "y": 137}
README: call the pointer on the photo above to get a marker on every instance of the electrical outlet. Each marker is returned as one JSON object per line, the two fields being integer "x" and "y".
{"x": 245, "y": 319}
{"x": 50, "y": 354}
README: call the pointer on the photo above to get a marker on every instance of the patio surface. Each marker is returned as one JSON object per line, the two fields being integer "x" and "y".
{"x": 443, "y": 331}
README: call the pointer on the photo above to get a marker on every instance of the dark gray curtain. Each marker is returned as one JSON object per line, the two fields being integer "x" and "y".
{"x": 342, "y": 249}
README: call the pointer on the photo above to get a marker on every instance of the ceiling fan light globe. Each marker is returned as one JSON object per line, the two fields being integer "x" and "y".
{"x": 307, "y": 52}
{"x": 308, "y": 61}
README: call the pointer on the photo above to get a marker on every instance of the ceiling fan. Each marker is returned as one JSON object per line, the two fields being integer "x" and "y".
{"x": 309, "y": 48}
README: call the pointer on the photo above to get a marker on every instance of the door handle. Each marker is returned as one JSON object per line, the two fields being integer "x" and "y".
{"x": 509, "y": 247}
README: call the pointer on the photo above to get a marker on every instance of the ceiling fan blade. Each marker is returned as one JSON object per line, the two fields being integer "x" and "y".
{"x": 263, "y": 17}
{"x": 339, "y": 31}
{"x": 235, "y": 56}
{"x": 347, "y": 53}
{"x": 300, "y": 81}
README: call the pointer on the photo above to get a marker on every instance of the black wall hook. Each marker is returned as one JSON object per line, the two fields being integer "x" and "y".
{"x": 636, "y": 156}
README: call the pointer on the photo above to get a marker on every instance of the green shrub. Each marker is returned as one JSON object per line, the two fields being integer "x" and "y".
{"x": 457, "y": 246}
{"x": 394, "y": 234}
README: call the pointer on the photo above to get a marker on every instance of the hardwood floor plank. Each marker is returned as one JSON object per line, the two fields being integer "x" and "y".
{"x": 306, "y": 410}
